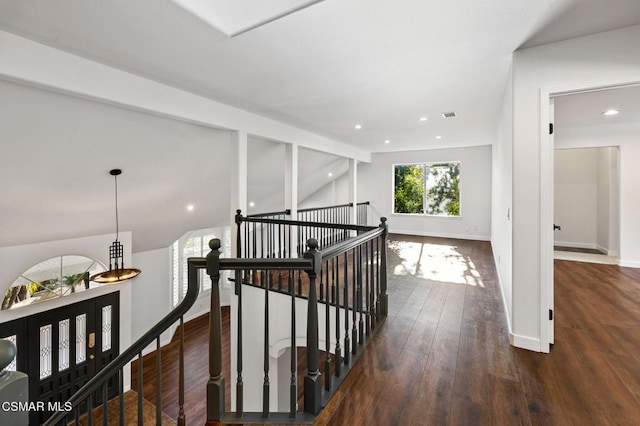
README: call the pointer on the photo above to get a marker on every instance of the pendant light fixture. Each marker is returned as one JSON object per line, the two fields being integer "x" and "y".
{"x": 117, "y": 272}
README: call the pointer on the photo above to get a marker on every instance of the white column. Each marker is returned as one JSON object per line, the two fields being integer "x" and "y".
{"x": 291, "y": 179}
{"x": 353, "y": 189}
{"x": 238, "y": 187}
{"x": 291, "y": 190}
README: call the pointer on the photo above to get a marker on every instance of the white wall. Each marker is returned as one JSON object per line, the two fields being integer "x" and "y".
{"x": 624, "y": 229}
{"x": 501, "y": 199}
{"x": 152, "y": 293}
{"x": 603, "y": 231}
{"x": 375, "y": 184}
{"x": 279, "y": 341}
{"x": 265, "y": 176}
{"x": 596, "y": 60}
{"x": 331, "y": 194}
{"x": 17, "y": 259}
{"x": 576, "y": 197}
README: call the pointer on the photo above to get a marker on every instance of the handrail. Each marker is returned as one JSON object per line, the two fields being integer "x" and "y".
{"x": 138, "y": 346}
{"x": 354, "y": 242}
{"x": 363, "y": 203}
{"x": 341, "y": 226}
{"x": 283, "y": 212}
{"x": 308, "y": 209}
{"x": 356, "y": 286}
{"x": 266, "y": 264}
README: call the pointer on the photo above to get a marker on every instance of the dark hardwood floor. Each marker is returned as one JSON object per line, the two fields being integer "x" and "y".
{"x": 443, "y": 356}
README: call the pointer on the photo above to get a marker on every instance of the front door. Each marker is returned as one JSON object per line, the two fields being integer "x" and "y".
{"x": 64, "y": 347}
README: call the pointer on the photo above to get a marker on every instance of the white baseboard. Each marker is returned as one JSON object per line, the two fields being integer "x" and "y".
{"x": 504, "y": 299}
{"x": 524, "y": 342}
{"x": 572, "y": 244}
{"x": 440, "y": 235}
{"x": 629, "y": 263}
{"x": 604, "y": 250}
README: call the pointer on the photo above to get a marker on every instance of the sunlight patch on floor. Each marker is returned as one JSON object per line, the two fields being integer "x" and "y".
{"x": 435, "y": 262}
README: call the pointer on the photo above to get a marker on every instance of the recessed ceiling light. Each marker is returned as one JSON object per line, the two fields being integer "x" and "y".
{"x": 387, "y": 141}
{"x": 449, "y": 114}
{"x": 330, "y": 174}
{"x": 438, "y": 137}
{"x": 190, "y": 207}
{"x": 252, "y": 204}
{"x": 423, "y": 119}
{"x": 611, "y": 112}
{"x": 358, "y": 127}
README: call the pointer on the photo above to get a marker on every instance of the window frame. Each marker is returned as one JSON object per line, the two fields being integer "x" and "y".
{"x": 424, "y": 164}
{"x": 178, "y": 286}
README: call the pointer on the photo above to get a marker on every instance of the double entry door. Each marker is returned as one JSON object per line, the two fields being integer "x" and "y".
{"x": 61, "y": 349}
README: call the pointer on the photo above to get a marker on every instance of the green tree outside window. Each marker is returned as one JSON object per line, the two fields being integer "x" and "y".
{"x": 432, "y": 189}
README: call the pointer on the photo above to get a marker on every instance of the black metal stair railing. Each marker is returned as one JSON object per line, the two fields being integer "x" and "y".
{"x": 82, "y": 402}
{"x": 339, "y": 213}
{"x": 344, "y": 269}
{"x": 270, "y": 236}
{"x": 352, "y": 276}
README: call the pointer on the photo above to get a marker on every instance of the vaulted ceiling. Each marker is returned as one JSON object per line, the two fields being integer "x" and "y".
{"x": 325, "y": 68}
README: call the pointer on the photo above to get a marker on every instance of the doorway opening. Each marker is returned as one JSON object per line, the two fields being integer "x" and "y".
{"x": 589, "y": 125}
{"x": 586, "y": 204}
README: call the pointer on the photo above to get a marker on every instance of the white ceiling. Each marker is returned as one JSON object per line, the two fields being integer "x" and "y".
{"x": 325, "y": 68}
{"x": 585, "y": 109}
{"x": 381, "y": 64}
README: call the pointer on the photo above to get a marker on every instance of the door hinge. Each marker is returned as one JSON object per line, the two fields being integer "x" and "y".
{"x": 550, "y": 314}
{"x": 550, "y": 128}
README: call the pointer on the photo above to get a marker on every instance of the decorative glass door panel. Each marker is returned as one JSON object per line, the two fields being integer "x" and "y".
{"x": 63, "y": 348}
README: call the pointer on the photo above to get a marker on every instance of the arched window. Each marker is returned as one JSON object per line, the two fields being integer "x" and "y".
{"x": 52, "y": 278}
{"x": 196, "y": 244}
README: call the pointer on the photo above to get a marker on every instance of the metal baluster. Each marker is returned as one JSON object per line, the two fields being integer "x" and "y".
{"x": 77, "y": 415}
{"x": 239, "y": 382}
{"x": 347, "y": 341}
{"x": 265, "y": 384}
{"x": 280, "y": 241}
{"x": 255, "y": 252}
{"x": 378, "y": 279}
{"x": 327, "y": 362}
{"x": 321, "y": 298}
{"x": 140, "y": 367}
{"x": 293, "y": 394}
{"x": 383, "y": 270}
{"x": 158, "y": 383}
{"x": 312, "y": 381}
{"x": 121, "y": 397}
{"x": 181, "y": 416}
{"x": 215, "y": 385}
{"x": 263, "y": 281}
{"x": 105, "y": 410}
{"x": 372, "y": 291}
{"x": 367, "y": 284}
{"x": 90, "y": 411}
{"x": 360, "y": 307}
{"x": 336, "y": 290}
{"x": 354, "y": 305}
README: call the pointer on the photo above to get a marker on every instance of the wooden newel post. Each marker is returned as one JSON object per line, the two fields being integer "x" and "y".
{"x": 215, "y": 386}
{"x": 312, "y": 381}
{"x": 383, "y": 269}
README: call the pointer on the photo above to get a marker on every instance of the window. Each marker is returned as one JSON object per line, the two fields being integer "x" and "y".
{"x": 430, "y": 189}
{"x": 195, "y": 244}
{"x": 52, "y": 278}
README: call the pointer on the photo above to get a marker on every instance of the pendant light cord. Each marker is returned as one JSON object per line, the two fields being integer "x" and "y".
{"x": 117, "y": 228}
